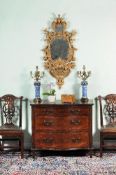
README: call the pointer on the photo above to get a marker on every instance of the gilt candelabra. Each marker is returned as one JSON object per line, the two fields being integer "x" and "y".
{"x": 83, "y": 75}
{"x": 37, "y": 75}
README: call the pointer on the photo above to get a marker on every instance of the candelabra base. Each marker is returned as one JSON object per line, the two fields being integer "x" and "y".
{"x": 37, "y": 100}
{"x": 84, "y": 99}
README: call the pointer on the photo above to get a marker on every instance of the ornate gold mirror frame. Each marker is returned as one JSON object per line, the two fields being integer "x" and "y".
{"x": 59, "y": 51}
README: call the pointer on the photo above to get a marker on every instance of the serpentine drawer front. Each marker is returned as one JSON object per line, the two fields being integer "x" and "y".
{"x": 61, "y": 126}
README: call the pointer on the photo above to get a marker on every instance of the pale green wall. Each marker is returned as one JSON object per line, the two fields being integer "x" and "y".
{"x": 21, "y": 43}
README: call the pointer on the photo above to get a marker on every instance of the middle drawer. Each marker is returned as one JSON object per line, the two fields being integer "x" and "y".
{"x": 58, "y": 123}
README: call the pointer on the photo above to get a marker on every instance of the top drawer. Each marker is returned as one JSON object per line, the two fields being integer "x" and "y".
{"x": 67, "y": 110}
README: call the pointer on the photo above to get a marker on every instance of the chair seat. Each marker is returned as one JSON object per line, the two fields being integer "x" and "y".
{"x": 109, "y": 128}
{"x": 11, "y": 129}
{"x": 12, "y": 132}
{"x": 9, "y": 126}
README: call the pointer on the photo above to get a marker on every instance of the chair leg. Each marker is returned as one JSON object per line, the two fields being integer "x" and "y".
{"x": 22, "y": 147}
{"x": 33, "y": 154}
{"x": 101, "y": 145}
{"x": 1, "y": 145}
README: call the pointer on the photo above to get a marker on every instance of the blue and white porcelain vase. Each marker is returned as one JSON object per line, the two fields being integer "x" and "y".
{"x": 84, "y": 91}
{"x": 37, "y": 98}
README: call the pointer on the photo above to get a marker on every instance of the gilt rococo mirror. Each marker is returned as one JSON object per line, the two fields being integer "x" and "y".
{"x": 59, "y": 51}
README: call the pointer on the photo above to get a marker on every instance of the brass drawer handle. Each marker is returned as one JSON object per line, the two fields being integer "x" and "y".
{"x": 48, "y": 141}
{"x": 75, "y": 140}
{"x": 75, "y": 112}
{"x": 75, "y": 122}
{"x": 48, "y": 123}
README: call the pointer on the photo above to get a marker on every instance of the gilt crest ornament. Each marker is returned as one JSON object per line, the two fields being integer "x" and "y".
{"x": 59, "y": 50}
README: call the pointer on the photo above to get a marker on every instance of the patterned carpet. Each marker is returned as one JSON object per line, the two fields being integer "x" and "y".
{"x": 11, "y": 164}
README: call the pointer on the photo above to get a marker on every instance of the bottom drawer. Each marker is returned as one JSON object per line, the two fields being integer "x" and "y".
{"x": 61, "y": 140}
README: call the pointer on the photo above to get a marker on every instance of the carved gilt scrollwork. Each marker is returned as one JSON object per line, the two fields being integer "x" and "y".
{"x": 59, "y": 51}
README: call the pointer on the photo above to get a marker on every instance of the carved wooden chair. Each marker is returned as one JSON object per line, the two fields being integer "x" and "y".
{"x": 107, "y": 121}
{"x": 11, "y": 123}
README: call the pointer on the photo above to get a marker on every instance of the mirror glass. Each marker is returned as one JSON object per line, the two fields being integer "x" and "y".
{"x": 59, "y": 49}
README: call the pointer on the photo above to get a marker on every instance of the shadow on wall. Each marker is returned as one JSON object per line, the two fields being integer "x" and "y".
{"x": 27, "y": 135}
{"x": 27, "y": 91}
{"x": 76, "y": 90}
{"x": 96, "y": 136}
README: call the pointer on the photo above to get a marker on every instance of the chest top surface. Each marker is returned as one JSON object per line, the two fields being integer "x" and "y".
{"x": 59, "y": 103}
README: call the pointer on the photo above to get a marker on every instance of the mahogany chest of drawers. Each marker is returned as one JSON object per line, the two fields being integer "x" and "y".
{"x": 61, "y": 126}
